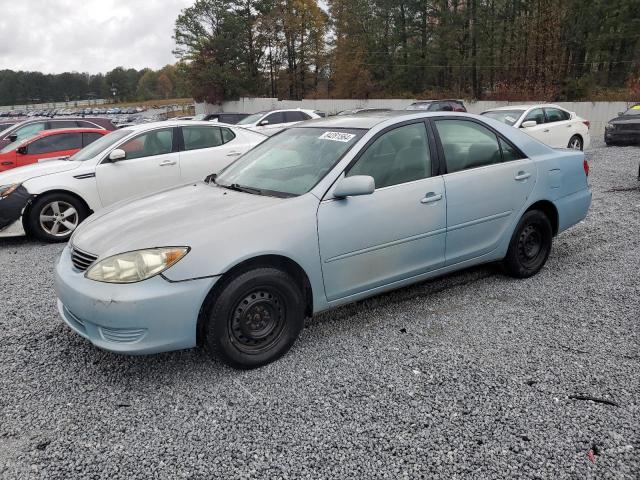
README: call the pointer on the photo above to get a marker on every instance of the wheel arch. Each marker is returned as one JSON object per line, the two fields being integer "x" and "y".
{"x": 274, "y": 261}
{"x": 549, "y": 209}
{"x": 27, "y": 210}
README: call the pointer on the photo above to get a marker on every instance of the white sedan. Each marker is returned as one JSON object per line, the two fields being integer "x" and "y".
{"x": 49, "y": 200}
{"x": 273, "y": 121}
{"x": 548, "y": 123}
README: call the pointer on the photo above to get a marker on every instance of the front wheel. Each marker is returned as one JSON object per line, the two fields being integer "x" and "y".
{"x": 255, "y": 319}
{"x": 576, "y": 143}
{"x": 53, "y": 217}
{"x": 530, "y": 245}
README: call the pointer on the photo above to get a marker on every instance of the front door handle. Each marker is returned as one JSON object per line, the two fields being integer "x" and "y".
{"x": 546, "y": 130}
{"x": 522, "y": 176}
{"x": 234, "y": 154}
{"x": 431, "y": 197}
{"x": 167, "y": 163}
{"x": 6, "y": 163}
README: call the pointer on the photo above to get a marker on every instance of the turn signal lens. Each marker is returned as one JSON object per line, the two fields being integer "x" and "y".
{"x": 7, "y": 190}
{"x": 136, "y": 266}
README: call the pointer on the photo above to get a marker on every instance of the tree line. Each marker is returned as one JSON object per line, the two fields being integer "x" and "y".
{"x": 491, "y": 49}
{"x": 18, "y": 88}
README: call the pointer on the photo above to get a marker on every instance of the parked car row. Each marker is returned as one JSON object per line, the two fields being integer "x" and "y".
{"x": 321, "y": 213}
{"x": 52, "y": 112}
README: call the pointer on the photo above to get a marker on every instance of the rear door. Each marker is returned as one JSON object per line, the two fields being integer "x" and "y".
{"x": 487, "y": 182}
{"x": 151, "y": 164}
{"x": 206, "y": 150}
{"x": 559, "y": 124}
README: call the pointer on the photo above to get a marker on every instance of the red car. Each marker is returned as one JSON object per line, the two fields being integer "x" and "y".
{"x": 47, "y": 144}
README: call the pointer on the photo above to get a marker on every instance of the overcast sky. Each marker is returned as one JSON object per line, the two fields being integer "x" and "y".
{"x": 55, "y": 36}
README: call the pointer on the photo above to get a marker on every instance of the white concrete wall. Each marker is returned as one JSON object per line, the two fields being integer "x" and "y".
{"x": 596, "y": 112}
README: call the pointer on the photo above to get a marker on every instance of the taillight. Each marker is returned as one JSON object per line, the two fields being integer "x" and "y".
{"x": 587, "y": 123}
{"x": 585, "y": 165}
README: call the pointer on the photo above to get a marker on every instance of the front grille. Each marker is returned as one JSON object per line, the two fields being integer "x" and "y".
{"x": 81, "y": 260}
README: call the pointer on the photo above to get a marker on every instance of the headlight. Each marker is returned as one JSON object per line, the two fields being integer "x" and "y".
{"x": 609, "y": 126}
{"x": 136, "y": 266}
{"x": 6, "y": 190}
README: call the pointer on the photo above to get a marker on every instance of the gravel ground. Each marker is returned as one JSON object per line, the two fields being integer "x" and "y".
{"x": 474, "y": 375}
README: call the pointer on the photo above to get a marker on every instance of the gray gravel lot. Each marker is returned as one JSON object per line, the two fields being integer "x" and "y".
{"x": 474, "y": 375}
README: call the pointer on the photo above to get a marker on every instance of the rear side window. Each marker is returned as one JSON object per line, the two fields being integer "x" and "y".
{"x": 196, "y": 138}
{"x": 508, "y": 152}
{"x": 89, "y": 137}
{"x": 398, "y": 156}
{"x": 149, "y": 144}
{"x": 227, "y": 135}
{"x": 556, "y": 115}
{"x": 536, "y": 115}
{"x": 55, "y": 143}
{"x": 275, "y": 118}
{"x": 467, "y": 145}
{"x": 63, "y": 124}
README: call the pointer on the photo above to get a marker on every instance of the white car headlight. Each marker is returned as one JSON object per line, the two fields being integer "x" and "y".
{"x": 136, "y": 266}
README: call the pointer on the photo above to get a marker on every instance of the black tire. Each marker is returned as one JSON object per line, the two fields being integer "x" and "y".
{"x": 530, "y": 245}
{"x": 576, "y": 143}
{"x": 255, "y": 319}
{"x": 42, "y": 205}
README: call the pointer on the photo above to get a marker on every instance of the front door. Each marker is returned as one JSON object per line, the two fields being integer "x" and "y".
{"x": 541, "y": 130}
{"x": 487, "y": 183}
{"x": 393, "y": 234}
{"x": 151, "y": 164}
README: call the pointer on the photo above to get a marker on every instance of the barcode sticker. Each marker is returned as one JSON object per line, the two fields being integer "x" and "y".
{"x": 337, "y": 136}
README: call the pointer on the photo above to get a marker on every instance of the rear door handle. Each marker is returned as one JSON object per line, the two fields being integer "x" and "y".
{"x": 431, "y": 197}
{"x": 167, "y": 163}
{"x": 233, "y": 154}
{"x": 522, "y": 176}
{"x": 546, "y": 130}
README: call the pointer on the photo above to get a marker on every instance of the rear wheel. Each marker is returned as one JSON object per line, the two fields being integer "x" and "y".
{"x": 255, "y": 319}
{"x": 530, "y": 245}
{"x": 576, "y": 143}
{"x": 53, "y": 217}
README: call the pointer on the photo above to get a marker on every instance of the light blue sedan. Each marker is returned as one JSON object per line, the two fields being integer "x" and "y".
{"x": 320, "y": 215}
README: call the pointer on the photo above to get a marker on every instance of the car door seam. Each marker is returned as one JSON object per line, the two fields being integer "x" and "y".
{"x": 479, "y": 220}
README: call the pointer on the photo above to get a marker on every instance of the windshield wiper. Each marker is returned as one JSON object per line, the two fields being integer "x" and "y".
{"x": 243, "y": 188}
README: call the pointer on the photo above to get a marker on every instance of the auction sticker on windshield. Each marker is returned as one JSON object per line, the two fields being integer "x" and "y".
{"x": 337, "y": 136}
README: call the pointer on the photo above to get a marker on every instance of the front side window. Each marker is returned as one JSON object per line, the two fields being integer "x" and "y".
{"x": 89, "y": 137}
{"x": 29, "y": 130}
{"x": 291, "y": 162}
{"x": 398, "y": 156}
{"x": 56, "y": 143}
{"x": 100, "y": 145}
{"x": 467, "y": 145}
{"x": 536, "y": 115}
{"x": 295, "y": 117}
{"x": 156, "y": 142}
{"x": 199, "y": 137}
{"x": 275, "y": 118}
{"x": 556, "y": 115}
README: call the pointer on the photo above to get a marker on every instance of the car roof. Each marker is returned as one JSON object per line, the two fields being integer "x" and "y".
{"x": 141, "y": 127}
{"x": 368, "y": 120}
{"x": 526, "y": 107}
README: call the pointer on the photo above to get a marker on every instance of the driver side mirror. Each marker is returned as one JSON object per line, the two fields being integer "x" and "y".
{"x": 528, "y": 124}
{"x": 13, "y": 137}
{"x": 22, "y": 150}
{"x": 354, "y": 186}
{"x": 263, "y": 123}
{"x": 117, "y": 154}
{"x": 620, "y": 114}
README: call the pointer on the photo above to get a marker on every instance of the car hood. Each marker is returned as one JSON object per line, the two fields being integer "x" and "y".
{"x": 626, "y": 119}
{"x": 180, "y": 216}
{"x": 49, "y": 167}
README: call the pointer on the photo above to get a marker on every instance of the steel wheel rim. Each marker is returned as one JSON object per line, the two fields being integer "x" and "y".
{"x": 59, "y": 218}
{"x": 530, "y": 245}
{"x": 257, "y": 320}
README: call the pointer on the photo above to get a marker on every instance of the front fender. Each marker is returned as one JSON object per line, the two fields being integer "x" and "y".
{"x": 12, "y": 206}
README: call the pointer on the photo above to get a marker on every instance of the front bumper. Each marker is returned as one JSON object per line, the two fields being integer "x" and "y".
{"x": 151, "y": 316}
{"x": 622, "y": 136}
{"x": 12, "y": 206}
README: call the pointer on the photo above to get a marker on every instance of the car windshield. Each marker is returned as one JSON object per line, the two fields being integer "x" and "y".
{"x": 99, "y": 145}
{"x": 251, "y": 118}
{"x": 505, "y": 116}
{"x": 635, "y": 110}
{"x": 290, "y": 163}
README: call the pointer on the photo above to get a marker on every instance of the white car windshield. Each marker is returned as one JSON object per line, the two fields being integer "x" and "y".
{"x": 290, "y": 163}
{"x": 505, "y": 116}
{"x": 251, "y": 118}
{"x": 99, "y": 145}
